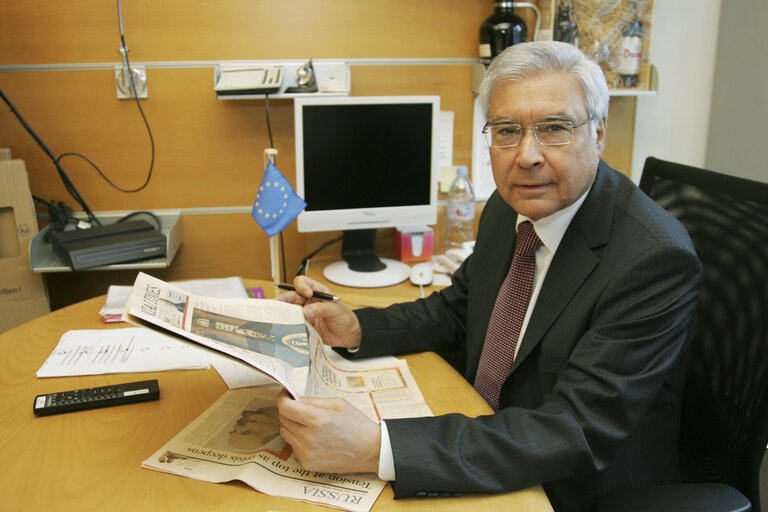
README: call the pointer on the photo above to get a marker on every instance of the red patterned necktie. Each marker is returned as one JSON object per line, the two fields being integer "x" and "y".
{"x": 507, "y": 317}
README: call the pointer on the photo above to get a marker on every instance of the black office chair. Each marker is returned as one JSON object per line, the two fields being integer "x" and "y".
{"x": 725, "y": 400}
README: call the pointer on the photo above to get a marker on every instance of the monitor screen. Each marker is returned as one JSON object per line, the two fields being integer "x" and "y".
{"x": 364, "y": 163}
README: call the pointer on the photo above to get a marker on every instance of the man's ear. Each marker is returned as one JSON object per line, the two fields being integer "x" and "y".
{"x": 602, "y": 130}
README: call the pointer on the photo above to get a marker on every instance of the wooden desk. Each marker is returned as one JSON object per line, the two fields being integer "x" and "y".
{"x": 360, "y": 297}
{"x": 90, "y": 460}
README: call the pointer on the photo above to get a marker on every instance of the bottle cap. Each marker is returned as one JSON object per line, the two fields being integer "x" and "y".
{"x": 462, "y": 170}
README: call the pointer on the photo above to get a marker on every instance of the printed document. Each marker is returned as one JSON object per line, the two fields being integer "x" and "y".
{"x": 100, "y": 351}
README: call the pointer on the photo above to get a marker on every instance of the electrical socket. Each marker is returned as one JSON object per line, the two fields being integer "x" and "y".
{"x": 139, "y": 79}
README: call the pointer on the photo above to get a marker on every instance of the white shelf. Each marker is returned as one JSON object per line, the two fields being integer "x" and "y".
{"x": 333, "y": 78}
{"x": 653, "y": 90}
{"x": 278, "y": 95}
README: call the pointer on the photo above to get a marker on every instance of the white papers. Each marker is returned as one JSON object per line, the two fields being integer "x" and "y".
{"x": 482, "y": 173}
{"x": 226, "y": 288}
{"x": 445, "y": 138}
{"x": 95, "y": 352}
{"x": 237, "y": 374}
{"x": 117, "y": 297}
{"x": 445, "y": 150}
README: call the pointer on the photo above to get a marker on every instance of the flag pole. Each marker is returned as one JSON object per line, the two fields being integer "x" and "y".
{"x": 274, "y": 247}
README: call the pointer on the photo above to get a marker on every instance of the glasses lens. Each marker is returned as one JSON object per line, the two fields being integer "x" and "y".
{"x": 504, "y": 135}
{"x": 554, "y": 132}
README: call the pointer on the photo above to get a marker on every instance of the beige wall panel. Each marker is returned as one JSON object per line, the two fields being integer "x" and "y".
{"x": 47, "y": 31}
{"x": 209, "y": 152}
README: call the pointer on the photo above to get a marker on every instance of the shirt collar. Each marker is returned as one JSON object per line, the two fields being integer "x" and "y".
{"x": 551, "y": 229}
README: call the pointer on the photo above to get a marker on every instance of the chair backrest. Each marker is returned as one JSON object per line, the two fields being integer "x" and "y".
{"x": 725, "y": 401}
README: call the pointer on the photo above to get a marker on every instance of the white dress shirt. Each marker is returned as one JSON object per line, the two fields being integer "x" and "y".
{"x": 550, "y": 231}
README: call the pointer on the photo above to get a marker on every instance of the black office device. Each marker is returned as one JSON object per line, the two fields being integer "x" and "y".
{"x": 121, "y": 242}
{"x": 93, "y": 398}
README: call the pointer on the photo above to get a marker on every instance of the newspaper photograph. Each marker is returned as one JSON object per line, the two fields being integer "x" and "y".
{"x": 238, "y": 437}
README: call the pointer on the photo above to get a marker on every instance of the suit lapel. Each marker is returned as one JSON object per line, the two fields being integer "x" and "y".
{"x": 574, "y": 261}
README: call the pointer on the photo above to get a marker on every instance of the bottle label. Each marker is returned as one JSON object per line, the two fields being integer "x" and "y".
{"x": 460, "y": 211}
{"x": 631, "y": 49}
{"x": 485, "y": 51}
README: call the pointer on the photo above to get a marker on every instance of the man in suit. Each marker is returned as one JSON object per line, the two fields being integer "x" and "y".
{"x": 590, "y": 404}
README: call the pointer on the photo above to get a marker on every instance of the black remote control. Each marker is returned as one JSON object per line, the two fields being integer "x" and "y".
{"x": 92, "y": 398}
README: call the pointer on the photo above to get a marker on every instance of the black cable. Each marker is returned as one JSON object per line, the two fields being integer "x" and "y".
{"x": 127, "y": 191}
{"x": 68, "y": 185}
{"x": 269, "y": 122}
{"x": 282, "y": 254}
{"x": 305, "y": 261}
{"x": 146, "y": 123}
{"x": 61, "y": 214}
{"x": 157, "y": 220}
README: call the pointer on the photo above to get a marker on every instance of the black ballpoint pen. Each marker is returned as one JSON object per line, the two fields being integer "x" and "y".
{"x": 319, "y": 295}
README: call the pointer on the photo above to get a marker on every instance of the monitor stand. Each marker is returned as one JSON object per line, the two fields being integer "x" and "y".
{"x": 361, "y": 268}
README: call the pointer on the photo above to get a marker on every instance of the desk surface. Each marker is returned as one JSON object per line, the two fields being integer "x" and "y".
{"x": 360, "y": 297}
{"x": 91, "y": 460}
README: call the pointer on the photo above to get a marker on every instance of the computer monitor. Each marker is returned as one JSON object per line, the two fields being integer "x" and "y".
{"x": 364, "y": 163}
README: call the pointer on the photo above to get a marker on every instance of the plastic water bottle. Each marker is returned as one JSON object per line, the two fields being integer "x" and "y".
{"x": 460, "y": 211}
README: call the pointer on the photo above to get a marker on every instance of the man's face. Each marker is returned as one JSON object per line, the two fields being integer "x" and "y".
{"x": 537, "y": 180}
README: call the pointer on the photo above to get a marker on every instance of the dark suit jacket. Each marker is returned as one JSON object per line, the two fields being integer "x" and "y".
{"x": 592, "y": 401}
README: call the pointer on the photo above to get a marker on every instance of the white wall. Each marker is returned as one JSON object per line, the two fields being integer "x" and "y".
{"x": 674, "y": 124}
{"x": 737, "y": 129}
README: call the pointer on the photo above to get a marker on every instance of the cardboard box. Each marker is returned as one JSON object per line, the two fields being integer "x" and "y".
{"x": 23, "y": 295}
{"x": 414, "y": 243}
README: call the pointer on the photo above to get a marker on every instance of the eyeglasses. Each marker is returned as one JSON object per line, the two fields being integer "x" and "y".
{"x": 500, "y": 134}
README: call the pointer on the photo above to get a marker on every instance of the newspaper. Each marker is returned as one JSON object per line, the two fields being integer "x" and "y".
{"x": 237, "y": 439}
{"x": 224, "y": 443}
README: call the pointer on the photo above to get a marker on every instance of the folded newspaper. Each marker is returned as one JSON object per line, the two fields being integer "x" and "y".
{"x": 237, "y": 438}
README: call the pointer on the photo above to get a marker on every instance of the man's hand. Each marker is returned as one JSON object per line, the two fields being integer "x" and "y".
{"x": 329, "y": 435}
{"x": 334, "y": 322}
{"x": 304, "y": 287}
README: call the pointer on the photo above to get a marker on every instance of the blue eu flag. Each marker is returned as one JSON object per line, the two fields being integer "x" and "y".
{"x": 276, "y": 203}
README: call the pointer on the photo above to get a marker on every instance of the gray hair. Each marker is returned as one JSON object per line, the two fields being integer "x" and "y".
{"x": 524, "y": 60}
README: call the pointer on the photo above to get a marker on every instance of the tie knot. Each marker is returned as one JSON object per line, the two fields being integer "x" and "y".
{"x": 527, "y": 239}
